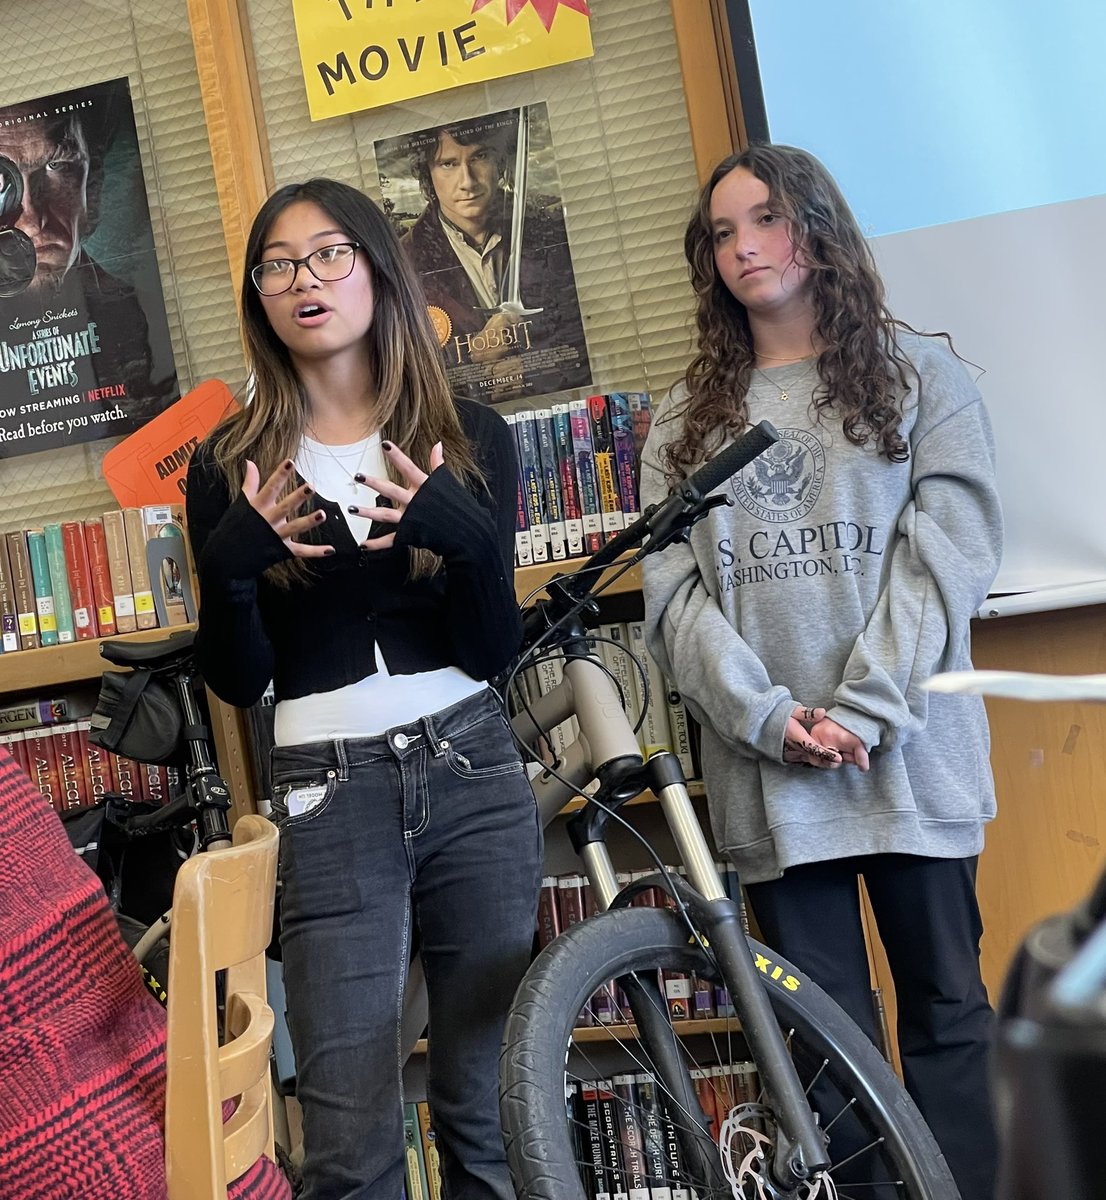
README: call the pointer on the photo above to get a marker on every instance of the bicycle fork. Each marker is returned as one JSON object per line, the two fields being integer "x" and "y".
{"x": 607, "y": 749}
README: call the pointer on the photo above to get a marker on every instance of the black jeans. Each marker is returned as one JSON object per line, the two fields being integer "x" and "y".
{"x": 432, "y": 822}
{"x": 930, "y": 927}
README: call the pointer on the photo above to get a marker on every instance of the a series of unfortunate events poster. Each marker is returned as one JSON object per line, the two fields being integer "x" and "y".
{"x": 477, "y": 204}
{"x": 84, "y": 342}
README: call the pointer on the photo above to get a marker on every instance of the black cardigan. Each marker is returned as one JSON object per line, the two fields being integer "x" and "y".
{"x": 321, "y": 636}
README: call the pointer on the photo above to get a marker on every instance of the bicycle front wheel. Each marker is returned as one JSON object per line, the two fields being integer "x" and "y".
{"x": 587, "y": 1112}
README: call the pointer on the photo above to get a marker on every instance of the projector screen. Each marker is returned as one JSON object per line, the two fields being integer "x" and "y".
{"x": 969, "y": 136}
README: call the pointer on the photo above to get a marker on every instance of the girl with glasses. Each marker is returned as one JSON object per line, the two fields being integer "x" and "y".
{"x": 353, "y": 528}
{"x": 802, "y": 621}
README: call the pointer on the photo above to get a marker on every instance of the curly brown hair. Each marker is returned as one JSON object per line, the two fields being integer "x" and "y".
{"x": 862, "y": 371}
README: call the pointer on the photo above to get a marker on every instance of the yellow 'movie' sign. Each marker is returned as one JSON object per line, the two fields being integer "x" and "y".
{"x": 364, "y": 53}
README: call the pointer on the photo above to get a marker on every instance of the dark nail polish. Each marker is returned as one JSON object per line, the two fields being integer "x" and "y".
{"x": 288, "y": 464}
{"x": 308, "y": 492}
{"x": 359, "y": 478}
{"x": 353, "y": 509}
{"x": 328, "y": 551}
{"x": 386, "y": 445}
{"x": 320, "y": 516}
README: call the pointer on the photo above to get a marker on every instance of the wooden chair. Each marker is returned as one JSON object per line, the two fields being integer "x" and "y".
{"x": 222, "y": 919}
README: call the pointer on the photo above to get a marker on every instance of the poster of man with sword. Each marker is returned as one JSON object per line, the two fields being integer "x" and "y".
{"x": 477, "y": 204}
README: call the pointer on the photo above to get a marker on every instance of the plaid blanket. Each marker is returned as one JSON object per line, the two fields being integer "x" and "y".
{"x": 82, "y": 1042}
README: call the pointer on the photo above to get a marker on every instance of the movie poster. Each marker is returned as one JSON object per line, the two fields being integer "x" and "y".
{"x": 84, "y": 341}
{"x": 478, "y": 206}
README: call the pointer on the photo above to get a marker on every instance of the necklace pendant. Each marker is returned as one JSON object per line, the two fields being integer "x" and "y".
{"x": 783, "y": 397}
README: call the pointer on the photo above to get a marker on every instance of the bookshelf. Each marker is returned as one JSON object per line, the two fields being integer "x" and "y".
{"x": 582, "y": 1034}
{"x": 529, "y": 578}
{"x": 76, "y": 662}
{"x": 81, "y": 662}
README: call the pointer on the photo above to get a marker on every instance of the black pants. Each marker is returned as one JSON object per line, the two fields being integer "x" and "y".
{"x": 929, "y": 924}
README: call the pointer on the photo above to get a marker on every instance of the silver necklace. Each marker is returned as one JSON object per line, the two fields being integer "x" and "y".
{"x": 342, "y": 460}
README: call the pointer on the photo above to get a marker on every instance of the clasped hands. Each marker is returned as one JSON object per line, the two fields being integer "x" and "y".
{"x": 280, "y": 512}
{"x": 814, "y": 740}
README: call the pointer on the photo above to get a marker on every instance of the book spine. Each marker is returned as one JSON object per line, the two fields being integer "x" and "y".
{"x": 96, "y": 763}
{"x": 122, "y": 591}
{"x": 606, "y": 471}
{"x": 652, "y": 1136}
{"x": 551, "y": 482}
{"x": 42, "y": 756}
{"x": 679, "y": 729}
{"x": 124, "y": 777}
{"x": 15, "y": 742}
{"x": 530, "y": 469}
{"x": 633, "y": 1157}
{"x": 99, "y": 566}
{"x": 145, "y": 614}
{"x": 80, "y": 580}
{"x": 591, "y": 511}
{"x": 610, "y": 1128}
{"x": 44, "y": 591}
{"x": 614, "y": 653}
{"x": 73, "y": 786}
{"x": 524, "y": 554}
{"x": 641, "y": 418}
{"x": 30, "y": 714}
{"x": 9, "y": 612}
{"x": 673, "y": 1156}
{"x": 412, "y": 1144}
{"x": 570, "y": 484}
{"x": 549, "y": 915}
{"x": 24, "y": 589}
{"x": 622, "y": 434}
{"x": 704, "y": 1089}
{"x": 656, "y": 736}
{"x": 152, "y": 783}
{"x": 594, "y": 1166}
{"x": 59, "y": 579}
{"x": 164, "y": 522}
{"x": 430, "y": 1152}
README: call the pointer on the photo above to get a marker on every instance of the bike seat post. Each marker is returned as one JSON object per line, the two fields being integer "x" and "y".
{"x": 210, "y": 796}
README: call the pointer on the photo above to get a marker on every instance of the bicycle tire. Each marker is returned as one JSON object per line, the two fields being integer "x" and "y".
{"x": 535, "y": 1064}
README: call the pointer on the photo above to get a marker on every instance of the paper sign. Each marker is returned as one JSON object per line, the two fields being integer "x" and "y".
{"x": 359, "y": 54}
{"x": 150, "y": 466}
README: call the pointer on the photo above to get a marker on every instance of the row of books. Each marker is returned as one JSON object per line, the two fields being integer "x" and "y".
{"x": 578, "y": 473}
{"x": 666, "y": 724}
{"x": 625, "y": 1130}
{"x": 73, "y": 772}
{"x": 566, "y": 899}
{"x": 74, "y": 580}
{"x": 422, "y": 1172}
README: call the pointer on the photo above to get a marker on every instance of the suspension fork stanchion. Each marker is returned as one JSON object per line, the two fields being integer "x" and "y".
{"x": 800, "y": 1148}
{"x": 210, "y": 796}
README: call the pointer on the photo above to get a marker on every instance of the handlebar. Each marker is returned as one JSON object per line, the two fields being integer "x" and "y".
{"x": 671, "y": 520}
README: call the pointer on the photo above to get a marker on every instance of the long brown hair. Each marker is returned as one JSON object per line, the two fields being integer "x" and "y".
{"x": 862, "y": 371}
{"x": 413, "y": 406}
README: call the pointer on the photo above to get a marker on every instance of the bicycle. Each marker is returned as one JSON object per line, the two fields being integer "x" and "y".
{"x": 869, "y": 1140}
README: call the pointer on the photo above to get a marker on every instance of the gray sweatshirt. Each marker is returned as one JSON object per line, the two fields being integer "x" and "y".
{"x": 843, "y": 580}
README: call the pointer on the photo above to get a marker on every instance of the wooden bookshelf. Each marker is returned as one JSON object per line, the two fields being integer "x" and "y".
{"x": 626, "y": 1033}
{"x": 582, "y": 1034}
{"x": 52, "y": 666}
{"x": 529, "y": 578}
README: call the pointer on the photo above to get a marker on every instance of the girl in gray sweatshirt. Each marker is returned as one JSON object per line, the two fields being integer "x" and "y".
{"x": 802, "y": 620}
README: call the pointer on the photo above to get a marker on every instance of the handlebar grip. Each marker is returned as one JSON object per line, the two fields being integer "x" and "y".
{"x": 752, "y": 442}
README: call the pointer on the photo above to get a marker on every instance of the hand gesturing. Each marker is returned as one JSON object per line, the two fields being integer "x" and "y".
{"x": 399, "y": 495}
{"x": 266, "y": 499}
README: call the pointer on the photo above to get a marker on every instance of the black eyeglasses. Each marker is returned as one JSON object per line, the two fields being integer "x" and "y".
{"x": 328, "y": 264}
